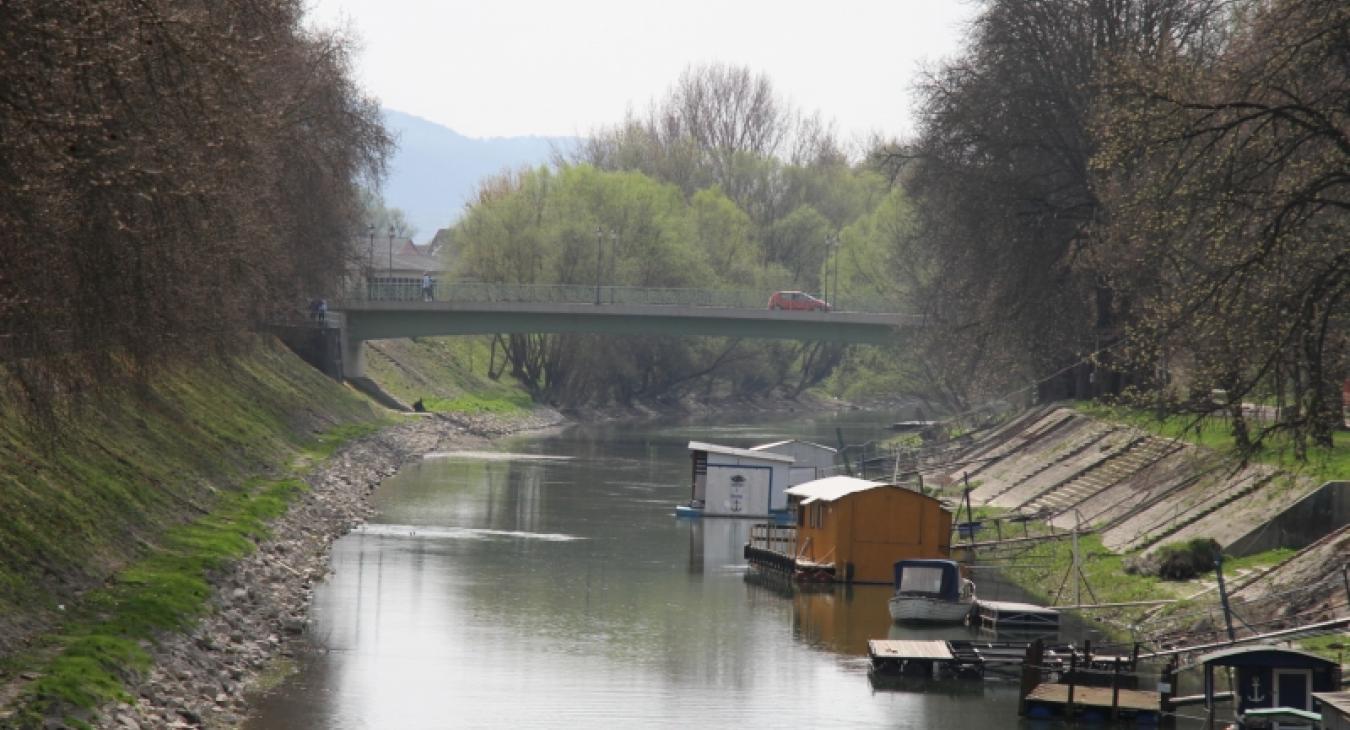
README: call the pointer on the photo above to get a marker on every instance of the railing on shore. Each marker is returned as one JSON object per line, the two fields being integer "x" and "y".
{"x": 480, "y": 292}
{"x": 773, "y": 538}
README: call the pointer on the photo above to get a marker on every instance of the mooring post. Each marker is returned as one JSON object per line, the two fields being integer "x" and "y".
{"x": 1031, "y": 674}
{"x": 1073, "y": 671}
{"x": 1223, "y": 598}
{"x": 1115, "y": 687}
{"x": 970, "y": 514}
{"x": 1166, "y": 689}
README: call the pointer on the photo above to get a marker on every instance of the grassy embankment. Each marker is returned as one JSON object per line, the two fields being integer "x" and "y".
{"x": 113, "y": 525}
{"x": 447, "y": 373}
{"x": 1321, "y": 465}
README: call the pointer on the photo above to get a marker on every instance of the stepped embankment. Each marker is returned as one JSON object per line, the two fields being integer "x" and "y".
{"x": 1139, "y": 491}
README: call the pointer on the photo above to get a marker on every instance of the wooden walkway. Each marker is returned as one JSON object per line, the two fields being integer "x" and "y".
{"x": 1132, "y": 700}
{"x": 1004, "y": 614}
{"x": 901, "y": 649}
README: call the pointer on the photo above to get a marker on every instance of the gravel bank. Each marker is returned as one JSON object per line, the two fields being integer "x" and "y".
{"x": 259, "y": 606}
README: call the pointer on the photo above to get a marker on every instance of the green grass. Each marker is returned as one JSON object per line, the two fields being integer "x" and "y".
{"x": 101, "y": 646}
{"x": 145, "y": 492}
{"x": 449, "y": 374}
{"x": 1258, "y": 561}
{"x": 1335, "y": 647}
{"x": 1321, "y": 465}
{"x": 505, "y": 403}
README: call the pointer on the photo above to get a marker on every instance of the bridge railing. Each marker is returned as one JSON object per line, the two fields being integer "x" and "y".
{"x": 480, "y": 292}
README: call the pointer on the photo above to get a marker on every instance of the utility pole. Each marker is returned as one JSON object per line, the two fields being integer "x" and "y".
{"x": 1223, "y": 598}
{"x": 370, "y": 260}
{"x": 834, "y": 304}
{"x": 613, "y": 263}
{"x": 599, "y": 256}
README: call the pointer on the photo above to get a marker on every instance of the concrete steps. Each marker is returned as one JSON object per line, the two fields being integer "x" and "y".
{"x": 1128, "y": 463}
{"x": 1049, "y": 498}
{"x": 1178, "y": 519}
{"x": 1019, "y": 436}
{"x": 1088, "y": 435}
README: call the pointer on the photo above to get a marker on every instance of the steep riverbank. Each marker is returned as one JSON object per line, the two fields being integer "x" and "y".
{"x": 259, "y": 604}
{"x": 1142, "y": 502}
{"x": 140, "y": 514}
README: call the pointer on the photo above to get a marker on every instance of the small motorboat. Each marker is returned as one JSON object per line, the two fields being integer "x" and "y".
{"x": 931, "y": 591}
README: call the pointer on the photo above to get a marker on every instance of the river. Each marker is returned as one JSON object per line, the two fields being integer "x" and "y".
{"x": 549, "y": 584}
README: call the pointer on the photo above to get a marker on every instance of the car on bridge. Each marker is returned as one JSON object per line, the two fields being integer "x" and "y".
{"x": 797, "y": 300}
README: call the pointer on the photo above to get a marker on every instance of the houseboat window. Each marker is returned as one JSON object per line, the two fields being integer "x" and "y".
{"x": 922, "y": 579}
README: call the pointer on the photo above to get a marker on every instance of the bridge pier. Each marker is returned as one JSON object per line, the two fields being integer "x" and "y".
{"x": 353, "y": 356}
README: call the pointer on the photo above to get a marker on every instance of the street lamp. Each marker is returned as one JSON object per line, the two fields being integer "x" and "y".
{"x": 391, "y": 253}
{"x": 613, "y": 263}
{"x": 831, "y": 245}
{"x": 370, "y": 260}
{"x": 836, "y": 288}
{"x": 599, "y": 256}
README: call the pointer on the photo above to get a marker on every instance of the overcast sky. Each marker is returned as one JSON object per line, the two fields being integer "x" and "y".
{"x": 496, "y": 68}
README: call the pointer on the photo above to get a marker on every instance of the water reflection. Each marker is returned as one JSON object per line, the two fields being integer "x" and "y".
{"x": 562, "y": 592}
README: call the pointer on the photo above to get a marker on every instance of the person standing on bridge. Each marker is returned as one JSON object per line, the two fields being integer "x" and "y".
{"x": 427, "y": 295}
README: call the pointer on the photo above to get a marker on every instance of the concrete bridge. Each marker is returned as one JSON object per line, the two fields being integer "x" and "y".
{"x": 386, "y": 313}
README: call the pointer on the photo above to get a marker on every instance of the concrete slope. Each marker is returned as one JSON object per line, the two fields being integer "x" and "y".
{"x": 1138, "y": 490}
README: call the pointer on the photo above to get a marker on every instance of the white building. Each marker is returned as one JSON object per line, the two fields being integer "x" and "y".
{"x": 810, "y": 461}
{"x": 731, "y": 482}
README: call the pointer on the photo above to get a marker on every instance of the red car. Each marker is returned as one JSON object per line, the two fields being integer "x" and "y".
{"x": 797, "y": 300}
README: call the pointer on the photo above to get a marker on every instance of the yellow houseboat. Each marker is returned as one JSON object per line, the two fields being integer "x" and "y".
{"x": 854, "y": 530}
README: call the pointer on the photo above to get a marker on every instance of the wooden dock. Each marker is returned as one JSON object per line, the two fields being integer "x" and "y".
{"x": 1052, "y": 699}
{"x": 971, "y": 658}
{"x": 910, "y": 657}
{"x": 1008, "y": 614}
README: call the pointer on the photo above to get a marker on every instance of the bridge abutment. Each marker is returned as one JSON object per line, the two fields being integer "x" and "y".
{"x": 353, "y": 356}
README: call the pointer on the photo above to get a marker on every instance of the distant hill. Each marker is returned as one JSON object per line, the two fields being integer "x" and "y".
{"x": 436, "y": 169}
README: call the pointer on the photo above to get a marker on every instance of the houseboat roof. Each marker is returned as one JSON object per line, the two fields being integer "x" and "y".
{"x": 1262, "y": 655}
{"x": 831, "y": 488}
{"x": 822, "y": 447}
{"x": 745, "y": 453}
{"x": 1339, "y": 700}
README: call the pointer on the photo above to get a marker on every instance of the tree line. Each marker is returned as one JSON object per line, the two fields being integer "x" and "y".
{"x": 721, "y": 185}
{"x": 1145, "y": 198}
{"x": 173, "y": 174}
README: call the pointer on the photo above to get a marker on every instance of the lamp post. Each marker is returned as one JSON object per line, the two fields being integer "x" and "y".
{"x": 370, "y": 260}
{"x": 831, "y": 245}
{"x": 599, "y": 256}
{"x": 391, "y": 254}
{"x": 613, "y": 263}
{"x": 834, "y": 304}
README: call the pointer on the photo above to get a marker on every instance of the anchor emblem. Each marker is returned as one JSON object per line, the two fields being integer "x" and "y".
{"x": 1256, "y": 697}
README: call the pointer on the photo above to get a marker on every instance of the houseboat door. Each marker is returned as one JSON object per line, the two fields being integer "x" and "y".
{"x": 1293, "y": 688}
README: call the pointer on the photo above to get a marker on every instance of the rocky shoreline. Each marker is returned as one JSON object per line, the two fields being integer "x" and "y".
{"x": 201, "y": 678}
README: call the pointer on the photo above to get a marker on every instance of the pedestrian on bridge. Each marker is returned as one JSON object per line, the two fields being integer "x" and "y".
{"x": 427, "y": 293}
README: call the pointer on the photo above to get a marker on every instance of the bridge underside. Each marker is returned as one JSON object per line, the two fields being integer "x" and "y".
{"x": 387, "y": 320}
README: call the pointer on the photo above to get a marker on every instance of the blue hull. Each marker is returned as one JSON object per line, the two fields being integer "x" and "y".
{"x": 781, "y": 517}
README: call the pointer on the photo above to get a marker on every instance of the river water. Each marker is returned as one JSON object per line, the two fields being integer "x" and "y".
{"x": 550, "y": 585}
